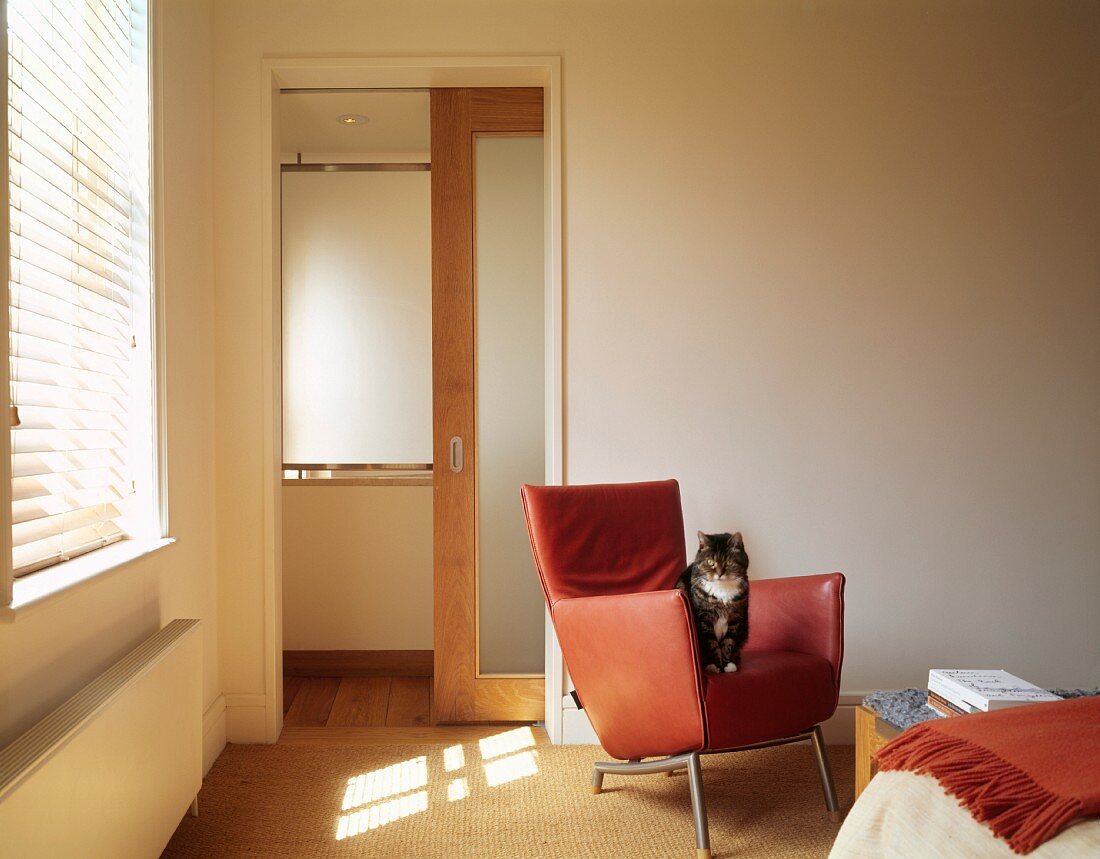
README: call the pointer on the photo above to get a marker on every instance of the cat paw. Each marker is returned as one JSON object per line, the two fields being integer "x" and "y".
{"x": 730, "y": 668}
{"x": 713, "y": 669}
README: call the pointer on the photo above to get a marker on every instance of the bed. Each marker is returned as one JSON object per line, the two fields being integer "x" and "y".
{"x": 1032, "y": 773}
{"x": 901, "y": 814}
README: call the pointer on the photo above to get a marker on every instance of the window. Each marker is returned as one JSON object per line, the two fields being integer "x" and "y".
{"x": 79, "y": 303}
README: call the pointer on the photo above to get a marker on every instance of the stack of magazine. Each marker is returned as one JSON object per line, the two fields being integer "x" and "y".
{"x": 956, "y": 692}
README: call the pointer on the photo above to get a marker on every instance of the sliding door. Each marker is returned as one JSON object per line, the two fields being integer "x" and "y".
{"x": 488, "y": 400}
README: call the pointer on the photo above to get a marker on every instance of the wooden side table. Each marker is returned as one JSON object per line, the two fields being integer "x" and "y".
{"x": 872, "y": 733}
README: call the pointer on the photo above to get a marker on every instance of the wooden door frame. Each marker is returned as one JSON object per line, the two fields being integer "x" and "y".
{"x": 396, "y": 73}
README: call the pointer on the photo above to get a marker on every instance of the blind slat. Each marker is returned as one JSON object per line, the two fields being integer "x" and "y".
{"x": 73, "y": 158}
{"x": 66, "y": 379}
{"x": 51, "y": 36}
{"x": 35, "y": 394}
{"x": 64, "y": 441}
{"x": 71, "y": 313}
{"x": 66, "y": 64}
{"x": 59, "y": 523}
{"x": 82, "y": 126}
{"x": 34, "y": 509}
{"x": 88, "y": 299}
{"x": 52, "y": 417}
{"x": 105, "y": 222}
{"x": 37, "y": 170}
{"x": 63, "y": 254}
{"x": 97, "y": 238}
{"x": 25, "y": 271}
{"x": 35, "y": 124}
{"x": 48, "y": 352}
{"x": 37, "y": 464}
{"x": 25, "y": 488}
{"x": 62, "y": 266}
{"x": 44, "y": 328}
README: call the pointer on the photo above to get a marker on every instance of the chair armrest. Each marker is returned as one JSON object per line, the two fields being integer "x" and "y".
{"x": 801, "y": 613}
{"x": 633, "y": 660}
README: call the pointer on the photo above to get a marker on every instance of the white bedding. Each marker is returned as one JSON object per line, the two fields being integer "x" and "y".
{"x": 905, "y": 815}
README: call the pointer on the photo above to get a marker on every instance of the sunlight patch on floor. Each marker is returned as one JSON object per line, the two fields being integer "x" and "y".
{"x": 453, "y": 758}
{"x": 381, "y": 814}
{"x": 506, "y": 743}
{"x": 508, "y": 769}
{"x": 457, "y": 789}
{"x": 388, "y": 781}
{"x": 401, "y": 790}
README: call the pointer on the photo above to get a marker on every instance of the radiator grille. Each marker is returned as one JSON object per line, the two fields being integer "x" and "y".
{"x": 25, "y": 754}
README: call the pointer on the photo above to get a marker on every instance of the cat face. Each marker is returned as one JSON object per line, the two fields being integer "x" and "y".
{"x": 721, "y": 557}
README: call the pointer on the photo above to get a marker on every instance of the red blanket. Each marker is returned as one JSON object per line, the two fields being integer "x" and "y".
{"x": 1025, "y": 772}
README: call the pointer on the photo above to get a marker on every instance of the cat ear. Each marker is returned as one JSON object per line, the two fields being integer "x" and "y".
{"x": 738, "y": 540}
{"x": 703, "y": 541}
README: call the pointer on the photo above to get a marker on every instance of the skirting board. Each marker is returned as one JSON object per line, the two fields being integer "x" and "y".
{"x": 246, "y": 718}
{"x": 576, "y": 730}
{"x": 213, "y": 733}
{"x": 358, "y": 663}
{"x": 840, "y": 730}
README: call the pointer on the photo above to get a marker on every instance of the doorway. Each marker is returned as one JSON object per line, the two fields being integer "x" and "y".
{"x": 552, "y": 399}
{"x": 356, "y": 408}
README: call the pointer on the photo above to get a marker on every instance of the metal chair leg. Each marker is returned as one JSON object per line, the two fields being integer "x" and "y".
{"x": 826, "y": 775}
{"x": 597, "y": 781}
{"x": 688, "y": 760}
{"x": 698, "y": 807}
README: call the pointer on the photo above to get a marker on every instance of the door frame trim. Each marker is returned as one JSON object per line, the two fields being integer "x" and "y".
{"x": 396, "y": 73}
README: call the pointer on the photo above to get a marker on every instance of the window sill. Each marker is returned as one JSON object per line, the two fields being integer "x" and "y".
{"x": 45, "y": 586}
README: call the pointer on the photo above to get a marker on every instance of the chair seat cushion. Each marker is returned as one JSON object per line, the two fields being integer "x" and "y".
{"x": 773, "y": 694}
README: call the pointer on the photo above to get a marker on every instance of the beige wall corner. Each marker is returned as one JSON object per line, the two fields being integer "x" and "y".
{"x": 840, "y": 730}
{"x": 213, "y": 733}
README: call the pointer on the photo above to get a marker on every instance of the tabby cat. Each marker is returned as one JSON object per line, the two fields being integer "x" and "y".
{"x": 717, "y": 586}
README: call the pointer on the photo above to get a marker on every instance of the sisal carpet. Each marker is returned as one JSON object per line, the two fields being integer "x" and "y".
{"x": 511, "y": 800}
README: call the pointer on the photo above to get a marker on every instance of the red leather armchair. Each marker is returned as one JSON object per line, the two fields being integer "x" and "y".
{"x": 608, "y": 557}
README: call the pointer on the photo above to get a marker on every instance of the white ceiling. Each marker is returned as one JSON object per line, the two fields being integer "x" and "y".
{"x": 399, "y": 121}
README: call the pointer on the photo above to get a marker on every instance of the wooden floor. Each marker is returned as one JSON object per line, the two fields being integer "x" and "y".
{"x": 372, "y": 711}
{"x": 357, "y": 702}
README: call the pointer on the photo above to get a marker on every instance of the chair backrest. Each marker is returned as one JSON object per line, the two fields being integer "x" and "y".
{"x": 610, "y": 538}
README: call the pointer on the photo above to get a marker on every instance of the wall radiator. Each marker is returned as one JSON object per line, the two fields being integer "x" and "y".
{"x": 112, "y": 771}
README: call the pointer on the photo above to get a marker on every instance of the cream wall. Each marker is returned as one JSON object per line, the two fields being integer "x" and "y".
{"x": 357, "y": 567}
{"x": 54, "y": 649}
{"x": 833, "y": 265}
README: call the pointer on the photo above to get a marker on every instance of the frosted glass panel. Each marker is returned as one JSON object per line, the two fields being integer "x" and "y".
{"x": 510, "y": 397}
{"x": 357, "y": 317}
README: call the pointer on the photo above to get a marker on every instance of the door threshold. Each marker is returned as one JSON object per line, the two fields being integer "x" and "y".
{"x": 434, "y": 735}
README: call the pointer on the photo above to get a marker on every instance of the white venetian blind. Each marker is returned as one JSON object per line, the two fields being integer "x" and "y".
{"x": 79, "y": 330}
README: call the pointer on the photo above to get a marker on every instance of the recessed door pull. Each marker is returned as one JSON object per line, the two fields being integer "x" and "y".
{"x": 456, "y": 454}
